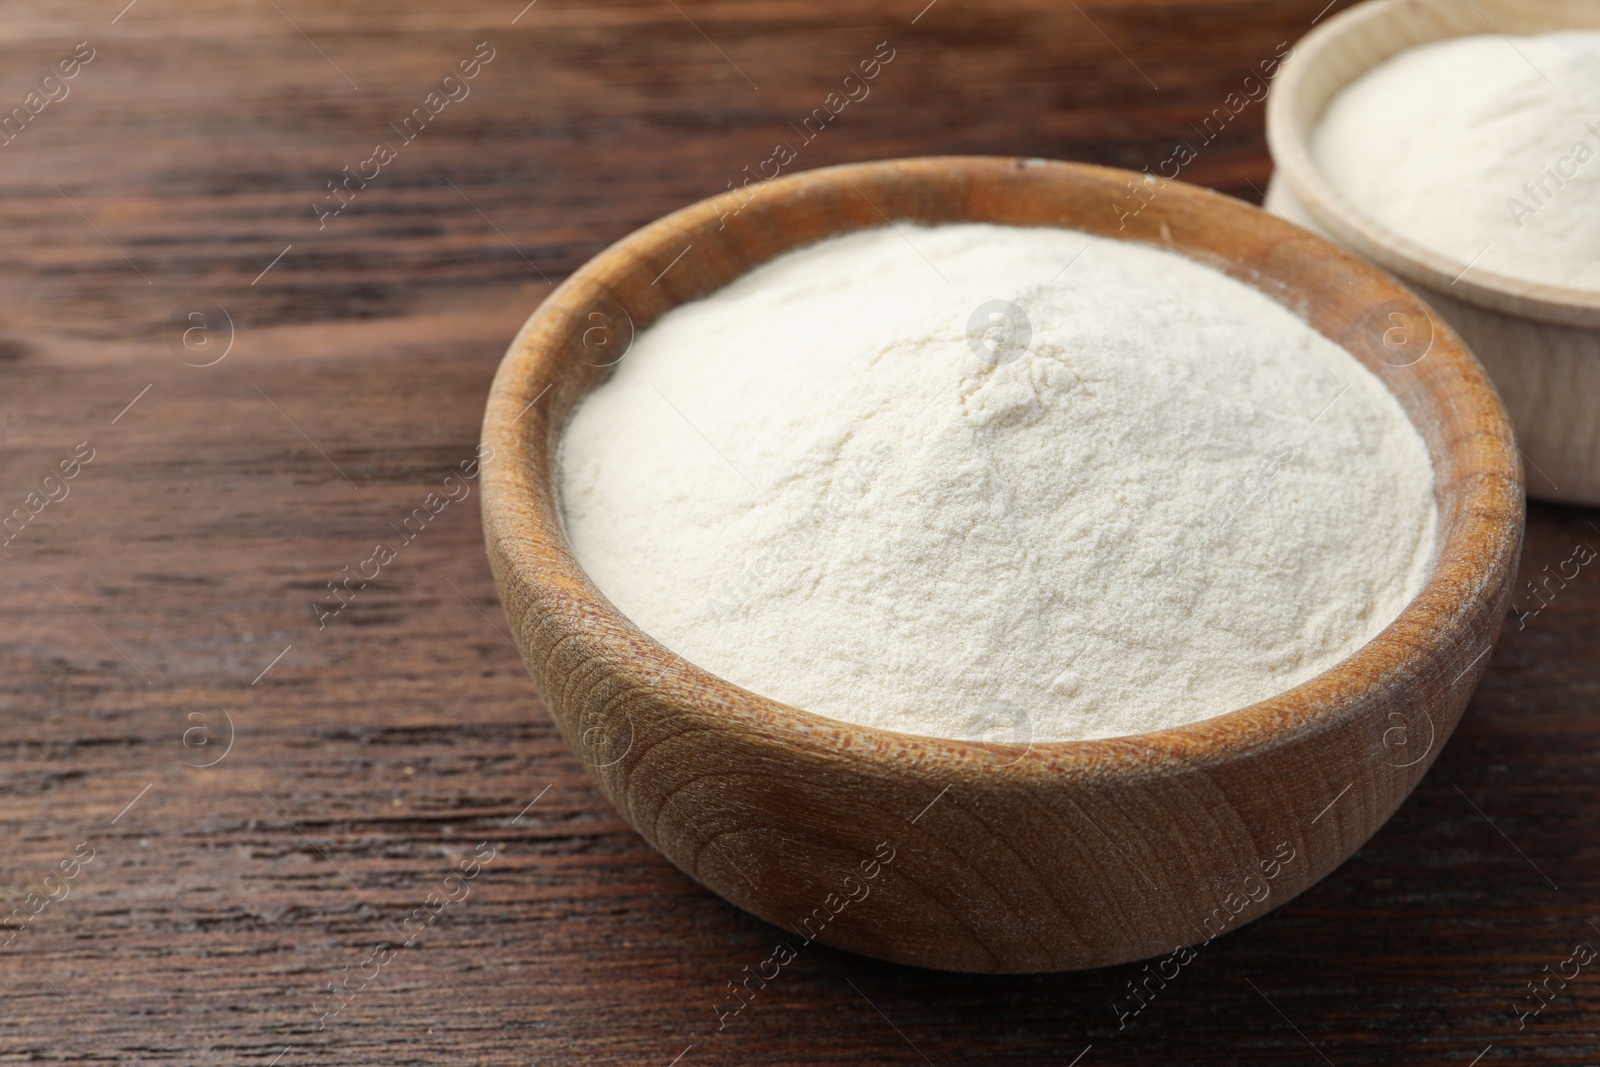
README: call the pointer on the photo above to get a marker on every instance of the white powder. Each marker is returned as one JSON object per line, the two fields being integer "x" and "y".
{"x": 1180, "y": 500}
{"x": 1479, "y": 148}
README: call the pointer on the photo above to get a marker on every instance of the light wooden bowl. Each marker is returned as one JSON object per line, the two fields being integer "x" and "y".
{"x": 1540, "y": 343}
{"x": 979, "y": 857}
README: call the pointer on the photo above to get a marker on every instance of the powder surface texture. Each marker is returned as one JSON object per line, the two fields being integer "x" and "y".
{"x": 820, "y": 484}
{"x": 1485, "y": 149}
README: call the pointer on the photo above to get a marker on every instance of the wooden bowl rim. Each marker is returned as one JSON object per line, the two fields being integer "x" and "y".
{"x": 521, "y": 522}
{"x": 1289, "y": 144}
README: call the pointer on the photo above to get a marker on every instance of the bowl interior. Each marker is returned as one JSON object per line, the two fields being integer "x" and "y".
{"x": 1345, "y": 48}
{"x": 584, "y": 328}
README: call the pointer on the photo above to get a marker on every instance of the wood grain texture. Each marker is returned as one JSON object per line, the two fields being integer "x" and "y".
{"x": 797, "y": 818}
{"x": 1541, "y": 343}
{"x": 207, "y": 927}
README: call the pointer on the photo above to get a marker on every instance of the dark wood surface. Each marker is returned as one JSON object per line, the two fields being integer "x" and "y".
{"x": 371, "y": 758}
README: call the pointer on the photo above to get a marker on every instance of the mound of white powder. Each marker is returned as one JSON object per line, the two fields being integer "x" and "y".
{"x": 1179, "y": 500}
{"x": 1485, "y": 149}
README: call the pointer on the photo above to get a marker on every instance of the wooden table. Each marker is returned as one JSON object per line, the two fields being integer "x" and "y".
{"x": 266, "y": 800}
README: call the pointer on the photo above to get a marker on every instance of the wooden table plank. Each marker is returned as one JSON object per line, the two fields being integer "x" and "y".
{"x": 170, "y": 591}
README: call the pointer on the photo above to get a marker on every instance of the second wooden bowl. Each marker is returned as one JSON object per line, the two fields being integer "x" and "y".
{"x": 968, "y": 856}
{"x": 1540, "y": 343}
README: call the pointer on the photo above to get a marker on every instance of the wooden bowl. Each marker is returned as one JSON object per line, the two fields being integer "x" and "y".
{"x": 1540, "y": 343}
{"x": 992, "y": 857}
